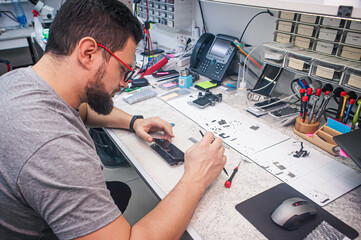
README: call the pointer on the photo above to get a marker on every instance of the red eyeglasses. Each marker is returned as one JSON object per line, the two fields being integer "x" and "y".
{"x": 127, "y": 75}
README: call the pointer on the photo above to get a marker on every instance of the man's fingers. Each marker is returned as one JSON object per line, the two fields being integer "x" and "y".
{"x": 208, "y": 138}
{"x": 217, "y": 142}
{"x": 145, "y": 136}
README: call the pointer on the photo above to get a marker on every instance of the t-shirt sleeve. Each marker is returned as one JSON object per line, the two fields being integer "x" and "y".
{"x": 64, "y": 183}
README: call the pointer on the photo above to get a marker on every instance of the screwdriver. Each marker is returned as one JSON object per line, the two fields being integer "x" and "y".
{"x": 228, "y": 183}
{"x": 225, "y": 171}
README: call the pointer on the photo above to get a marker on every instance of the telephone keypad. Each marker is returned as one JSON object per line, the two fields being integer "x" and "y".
{"x": 204, "y": 65}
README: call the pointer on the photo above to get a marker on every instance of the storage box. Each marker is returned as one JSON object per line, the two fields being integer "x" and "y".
{"x": 303, "y": 42}
{"x": 352, "y": 78}
{"x": 332, "y": 22}
{"x": 353, "y": 38}
{"x": 306, "y": 30}
{"x": 298, "y": 62}
{"x": 287, "y": 15}
{"x": 282, "y": 37}
{"x": 355, "y": 25}
{"x": 308, "y": 18}
{"x": 326, "y": 70}
{"x": 326, "y": 47}
{"x": 329, "y": 34}
{"x": 285, "y": 26}
{"x": 273, "y": 55}
{"x": 350, "y": 52}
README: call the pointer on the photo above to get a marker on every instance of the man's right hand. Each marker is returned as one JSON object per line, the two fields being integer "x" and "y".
{"x": 205, "y": 160}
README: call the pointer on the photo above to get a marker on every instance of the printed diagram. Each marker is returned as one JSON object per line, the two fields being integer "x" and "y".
{"x": 312, "y": 173}
{"x": 317, "y": 176}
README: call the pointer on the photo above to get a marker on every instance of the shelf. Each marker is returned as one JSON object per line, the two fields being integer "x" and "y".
{"x": 319, "y": 7}
{"x": 330, "y": 69}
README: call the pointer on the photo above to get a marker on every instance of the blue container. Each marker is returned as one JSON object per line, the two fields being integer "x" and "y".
{"x": 20, "y": 14}
{"x": 185, "y": 79}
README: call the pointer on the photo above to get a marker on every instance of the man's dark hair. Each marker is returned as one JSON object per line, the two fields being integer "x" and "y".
{"x": 109, "y": 22}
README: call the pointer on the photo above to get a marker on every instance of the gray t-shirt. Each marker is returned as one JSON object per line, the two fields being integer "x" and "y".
{"x": 50, "y": 174}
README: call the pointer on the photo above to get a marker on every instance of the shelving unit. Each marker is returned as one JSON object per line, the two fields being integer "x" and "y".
{"x": 171, "y": 13}
{"x": 317, "y": 46}
{"x": 320, "y": 7}
{"x": 330, "y": 69}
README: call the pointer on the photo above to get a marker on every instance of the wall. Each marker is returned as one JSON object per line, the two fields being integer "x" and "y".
{"x": 224, "y": 18}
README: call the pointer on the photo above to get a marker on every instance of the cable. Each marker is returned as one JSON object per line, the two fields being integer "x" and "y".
{"x": 275, "y": 79}
{"x": 244, "y": 66}
{"x": 204, "y": 24}
{"x": 12, "y": 17}
{"x": 281, "y": 100}
{"x": 268, "y": 11}
{"x": 34, "y": 1}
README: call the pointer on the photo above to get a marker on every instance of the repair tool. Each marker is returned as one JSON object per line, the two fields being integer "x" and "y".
{"x": 228, "y": 183}
{"x": 355, "y": 117}
{"x": 315, "y": 100}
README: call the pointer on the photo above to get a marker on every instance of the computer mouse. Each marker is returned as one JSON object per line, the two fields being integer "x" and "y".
{"x": 293, "y": 212}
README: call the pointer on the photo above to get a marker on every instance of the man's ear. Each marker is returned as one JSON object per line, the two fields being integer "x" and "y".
{"x": 87, "y": 48}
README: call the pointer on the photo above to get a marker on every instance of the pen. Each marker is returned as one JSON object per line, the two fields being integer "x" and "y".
{"x": 225, "y": 171}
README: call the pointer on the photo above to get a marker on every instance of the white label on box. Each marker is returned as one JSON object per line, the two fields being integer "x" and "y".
{"x": 355, "y": 25}
{"x": 334, "y": 22}
{"x": 325, "y": 72}
{"x": 283, "y": 38}
{"x": 285, "y": 26}
{"x": 351, "y": 53}
{"x": 296, "y": 64}
{"x": 324, "y": 47}
{"x": 273, "y": 56}
{"x": 287, "y": 15}
{"x": 305, "y": 30}
{"x": 354, "y": 81}
{"x": 327, "y": 34}
{"x": 302, "y": 42}
{"x": 308, "y": 18}
{"x": 353, "y": 38}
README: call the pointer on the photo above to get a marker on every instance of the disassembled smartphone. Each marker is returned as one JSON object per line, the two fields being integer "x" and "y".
{"x": 169, "y": 152}
{"x": 286, "y": 115}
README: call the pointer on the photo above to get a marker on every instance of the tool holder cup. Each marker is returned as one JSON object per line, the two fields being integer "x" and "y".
{"x": 304, "y": 127}
{"x": 321, "y": 137}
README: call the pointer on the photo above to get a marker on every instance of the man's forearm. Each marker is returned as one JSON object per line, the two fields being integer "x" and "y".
{"x": 116, "y": 119}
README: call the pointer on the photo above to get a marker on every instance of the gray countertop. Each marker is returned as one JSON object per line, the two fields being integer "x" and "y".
{"x": 215, "y": 216}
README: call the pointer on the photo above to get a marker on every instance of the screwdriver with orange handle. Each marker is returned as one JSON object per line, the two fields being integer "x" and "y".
{"x": 228, "y": 183}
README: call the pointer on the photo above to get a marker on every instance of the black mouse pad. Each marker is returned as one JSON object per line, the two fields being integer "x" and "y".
{"x": 257, "y": 210}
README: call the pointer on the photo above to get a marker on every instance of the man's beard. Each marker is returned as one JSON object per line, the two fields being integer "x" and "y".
{"x": 98, "y": 99}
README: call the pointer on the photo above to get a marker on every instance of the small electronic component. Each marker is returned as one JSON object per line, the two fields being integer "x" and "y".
{"x": 207, "y": 99}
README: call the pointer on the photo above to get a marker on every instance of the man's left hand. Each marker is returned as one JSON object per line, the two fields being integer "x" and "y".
{"x": 143, "y": 127}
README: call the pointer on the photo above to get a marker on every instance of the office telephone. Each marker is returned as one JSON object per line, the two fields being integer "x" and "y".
{"x": 212, "y": 55}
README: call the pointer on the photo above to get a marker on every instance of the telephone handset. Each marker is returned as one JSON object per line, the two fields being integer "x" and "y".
{"x": 212, "y": 55}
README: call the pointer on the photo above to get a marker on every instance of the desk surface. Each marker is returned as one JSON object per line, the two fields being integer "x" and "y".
{"x": 215, "y": 216}
{"x": 16, "y": 33}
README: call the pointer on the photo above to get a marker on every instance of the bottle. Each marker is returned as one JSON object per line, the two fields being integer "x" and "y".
{"x": 37, "y": 25}
{"x": 185, "y": 79}
{"x": 20, "y": 15}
